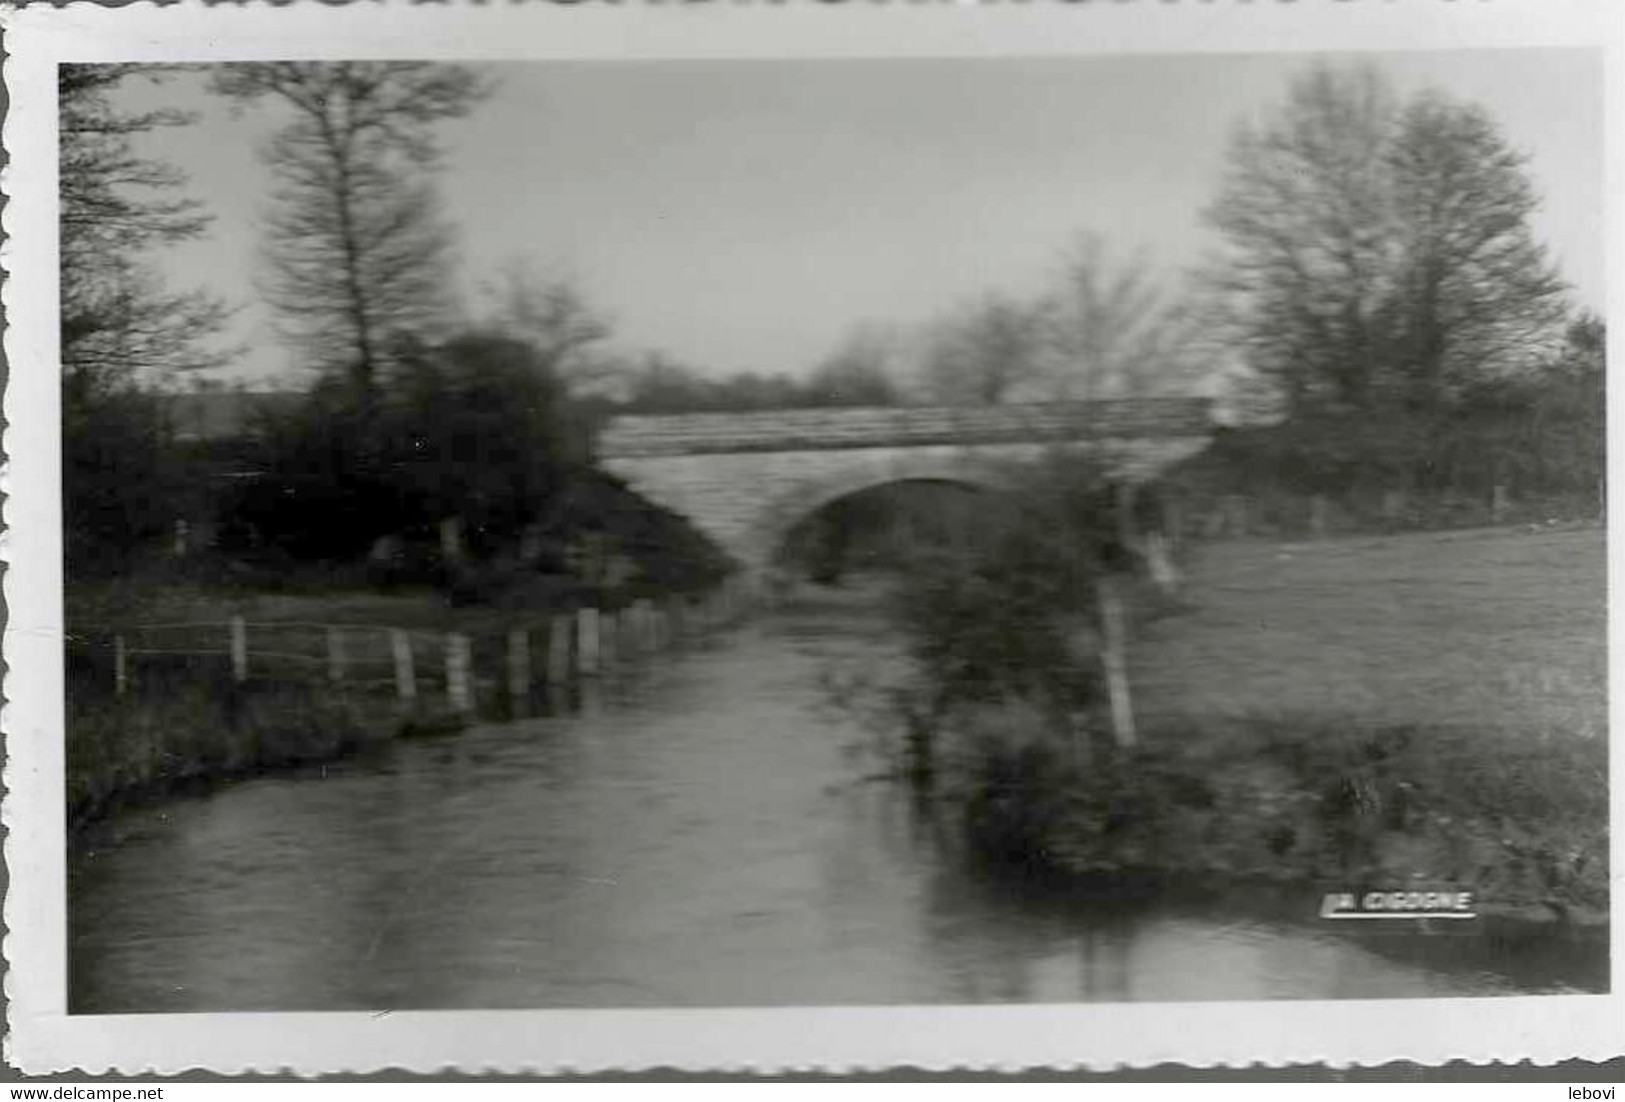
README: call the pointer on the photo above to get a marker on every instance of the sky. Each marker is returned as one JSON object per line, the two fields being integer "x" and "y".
{"x": 745, "y": 215}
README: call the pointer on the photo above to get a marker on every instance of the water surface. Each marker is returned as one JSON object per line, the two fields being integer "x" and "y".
{"x": 698, "y": 835}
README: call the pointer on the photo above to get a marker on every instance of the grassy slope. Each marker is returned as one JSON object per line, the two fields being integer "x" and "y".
{"x": 1397, "y": 707}
{"x": 1504, "y": 628}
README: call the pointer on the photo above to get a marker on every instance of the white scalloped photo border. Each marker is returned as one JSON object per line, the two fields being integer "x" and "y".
{"x": 43, "y": 1038}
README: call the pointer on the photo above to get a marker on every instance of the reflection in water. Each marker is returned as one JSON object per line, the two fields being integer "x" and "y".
{"x": 692, "y": 835}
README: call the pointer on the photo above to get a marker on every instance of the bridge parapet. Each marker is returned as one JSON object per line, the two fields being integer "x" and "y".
{"x": 746, "y": 478}
{"x": 639, "y": 436}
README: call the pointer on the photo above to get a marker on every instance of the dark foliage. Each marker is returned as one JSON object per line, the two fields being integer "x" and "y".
{"x": 1010, "y": 617}
{"x": 120, "y": 481}
{"x": 1540, "y": 436}
{"x": 1521, "y": 817}
{"x": 477, "y": 430}
{"x": 125, "y": 335}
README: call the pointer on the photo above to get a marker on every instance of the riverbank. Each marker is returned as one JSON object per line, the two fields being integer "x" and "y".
{"x": 184, "y": 724}
{"x": 1364, "y": 711}
{"x": 176, "y": 735}
{"x": 1518, "y": 819}
{"x": 701, "y": 839}
{"x": 180, "y": 687}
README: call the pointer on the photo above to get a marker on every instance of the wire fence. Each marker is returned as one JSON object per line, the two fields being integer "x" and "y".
{"x": 548, "y": 652}
{"x": 1291, "y": 514}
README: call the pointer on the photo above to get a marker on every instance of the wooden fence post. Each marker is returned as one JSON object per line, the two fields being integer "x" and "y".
{"x": 609, "y": 643}
{"x": 590, "y": 697}
{"x": 519, "y": 668}
{"x": 645, "y": 624}
{"x": 400, "y": 645}
{"x": 624, "y": 635}
{"x": 558, "y": 652}
{"x": 120, "y": 679}
{"x": 457, "y": 671}
{"x": 1500, "y": 503}
{"x": 1317, "y": 515}
{"x": 587, "y": 641}
{"x": 1164, "y": 575}
{"x": 335, "y": 654}
{"x": 1393, "y": 506}
{"x": 629, "y": 630}
{"x": 239, "y": 649}
{"x": 1238, "y": 514}
{"x": 1114, "y": 658}
{"x": 1173, "y": 519}
{"x": 451, "y": 540}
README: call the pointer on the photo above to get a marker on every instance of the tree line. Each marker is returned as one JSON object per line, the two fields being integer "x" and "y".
{"x": 1374, "y": 303}
{"x": 1377, "y": 277}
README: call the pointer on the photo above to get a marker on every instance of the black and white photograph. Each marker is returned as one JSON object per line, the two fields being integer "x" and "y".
{"x": 723, "y": 532}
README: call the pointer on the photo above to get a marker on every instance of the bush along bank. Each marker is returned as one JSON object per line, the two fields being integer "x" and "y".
{"x": 1520, "y": 819}
{"x": 176, "y": 735}
{"x": 144, "y": 721}
{"x": 1002, "y": 714}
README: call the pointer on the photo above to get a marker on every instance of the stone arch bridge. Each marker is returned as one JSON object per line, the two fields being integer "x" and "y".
{"x": 744, "y": 479}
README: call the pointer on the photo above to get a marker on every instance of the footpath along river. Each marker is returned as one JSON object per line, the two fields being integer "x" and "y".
{"x": 700, "y": 835}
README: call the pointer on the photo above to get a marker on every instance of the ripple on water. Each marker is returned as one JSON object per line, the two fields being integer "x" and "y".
{"x": 694, "y": 839}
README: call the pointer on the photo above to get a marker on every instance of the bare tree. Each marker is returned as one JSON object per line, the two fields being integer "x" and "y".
{"x": 1304, "y": 216}
{"x": 1372, "y": 252}
{"x": 1110, "y": 330}
{"x": 125, "y": 334}
{"x": 982, "y": 355}
{"x": 1107, "y": 329}
{"x": 860, "y": 372}
{"x": 1477, "y": 296}
{"x": 120, "y": 324}
{"x": 553, "y": 317}
{"x": 357, "y": 251}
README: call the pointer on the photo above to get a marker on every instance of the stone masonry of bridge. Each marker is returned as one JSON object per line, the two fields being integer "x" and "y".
{"x": 744, "y": 479}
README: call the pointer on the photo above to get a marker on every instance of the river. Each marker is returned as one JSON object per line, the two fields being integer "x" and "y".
{"x": 699, "y": 833}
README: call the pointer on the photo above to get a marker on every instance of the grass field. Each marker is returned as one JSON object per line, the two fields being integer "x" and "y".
{"x": 1504, "y": 628}
{"x": 1401, "y": 710}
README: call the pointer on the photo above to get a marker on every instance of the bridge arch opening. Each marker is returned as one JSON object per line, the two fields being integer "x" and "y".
{"x": 881, "y": 527}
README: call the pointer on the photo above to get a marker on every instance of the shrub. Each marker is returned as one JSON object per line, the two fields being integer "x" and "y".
{"x": 174, "y": 731}
{"x": 1521, "y": 818}
{"x": 1008, "y": 619}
